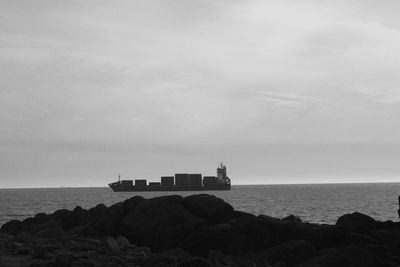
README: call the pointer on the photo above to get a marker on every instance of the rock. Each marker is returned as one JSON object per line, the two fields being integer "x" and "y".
{"x": 107, "y": 223}
{"x": 40, "y": 218}
{"x": 64, "y": 218}
{"x": 345, "y": 257}
{"x": 217, "y": 257}
{"x": 64, "y": 259}
{"x": 194, "y": 262}
{"x": 259, "y": 235}
{"x": 78, "y": 230}
{"x": 97, "y": 212}
{"x": 152, "y": 222}
{"x": 50, "y": 232}
{"x": 209, "y": 207}
{"x": 6, "y": 236}
{"x": 24, "y": 250}
{"x": 158, "y": 259}
{"x": 4, "y": 242}
{"x": 12, "y": 227}
{"x": 357, "y": 222}
{"x": 39, "y": 252}
{"x": 48, "y": 229}
{"x": 132, "y": 203}
{"x": 320, "y": 236}
{"x": 258, "y": 258}
{"x": 200, "y": 225}
{"x": 392, "y": 236}
{"x": 292, "y": 218}
{"x": 46, "y": 225}
{"x": 25, "y": 237}
{"x": 141, "y": 250}
{"x": 292, "y": 253}
{"x": 123, "y": 243}
{"x": 281, "y": 229}
{"x": 177, "y": 254}
{"x": 241, "y": 214}
{"x": 108, "y": 264}
{"x": 111, "y": 244}
{"x": 13, "y": 261}
{"x": 200, "y": 242}
{"x": 140, "y": 256}
{"x": 360, "y": 239}
{"x": 16, "y": 245}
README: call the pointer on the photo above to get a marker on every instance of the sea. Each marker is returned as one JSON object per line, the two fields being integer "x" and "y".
{"x": 317, "y": 203}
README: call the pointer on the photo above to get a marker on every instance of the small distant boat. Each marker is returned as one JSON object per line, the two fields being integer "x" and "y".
{"x": 178, "y": 182}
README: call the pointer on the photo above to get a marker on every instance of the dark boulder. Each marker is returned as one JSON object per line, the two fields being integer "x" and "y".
{"x": 4, "y": 242}
{"x": 67, "y": 219}
{"x": 292, "y": 218}
{"x": 63, "y": 259}
{"x": 63, "y": 217}
{"x": 320, "y": 236}
{"x": 123, "y": 243}
{"x": 50, "y": 232}
{"x": 360, "y": 239}
{"x": 283, "y": 230}
{"x": 194, "y": 262}
{"x": 12, "y": 227}
{"x": 155, "y": 221}
{"x": 176, "y": 254}
{"x": 292, "y": 253}
{"x": 217, "y": 258}
{"x": 40, "y": 218}
{"x": 259, "y": 236}
{"x": 209, "y": 207}
{"x": 96, "y": 212}
{"x": 111, "y": 244}
{"x": 357, "y": 222}
{"x": 106, "y": 224}
{"x": 132, "y": 203}
{"x": 51, "y": 224}
{"x": 345, "y": 257}
{"x": 228, "y": 241}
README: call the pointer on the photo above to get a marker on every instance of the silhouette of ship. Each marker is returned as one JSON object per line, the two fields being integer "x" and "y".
{"x": 179, "y": 182}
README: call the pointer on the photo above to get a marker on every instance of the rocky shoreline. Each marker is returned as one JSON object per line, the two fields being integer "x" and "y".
{"x": 198, "y": 230}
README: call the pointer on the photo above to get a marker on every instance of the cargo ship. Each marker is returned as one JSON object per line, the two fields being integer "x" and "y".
{"x": 178, "y": 182}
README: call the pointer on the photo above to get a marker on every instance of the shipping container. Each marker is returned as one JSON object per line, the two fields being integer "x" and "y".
{"x": 195, "y": 180}
{"x": 154, "y": 185}
{"x": 167, "y": 181}
{"x": 209, "y": 180}
{"x": 181, "y": 180}
{"x": 127, "y": 182}
{"x": 141, "y": 182}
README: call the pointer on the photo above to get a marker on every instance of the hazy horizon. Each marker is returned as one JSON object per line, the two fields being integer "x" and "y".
{"x": 265, "y": 184}
{"x": 280, "y": 91}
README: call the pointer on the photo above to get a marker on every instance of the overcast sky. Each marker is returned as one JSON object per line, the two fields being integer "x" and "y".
{"x": 281, "y": 91}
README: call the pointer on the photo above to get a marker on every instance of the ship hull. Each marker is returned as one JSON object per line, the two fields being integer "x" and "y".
{"x": 121, "y": 188}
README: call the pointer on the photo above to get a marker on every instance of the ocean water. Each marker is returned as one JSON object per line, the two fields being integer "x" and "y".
{"x": 321, "y": 203}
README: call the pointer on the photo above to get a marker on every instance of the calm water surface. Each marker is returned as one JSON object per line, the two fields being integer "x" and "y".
{"x": 313, "y": 203}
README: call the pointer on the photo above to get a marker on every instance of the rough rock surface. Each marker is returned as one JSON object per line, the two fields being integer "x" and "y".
{"x": 198, "y": 230}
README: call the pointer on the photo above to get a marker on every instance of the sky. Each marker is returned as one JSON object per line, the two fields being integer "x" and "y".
{"x": 281, "y": 91}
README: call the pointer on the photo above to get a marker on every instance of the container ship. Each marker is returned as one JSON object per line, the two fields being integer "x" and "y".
{"x": 178, "y": 182}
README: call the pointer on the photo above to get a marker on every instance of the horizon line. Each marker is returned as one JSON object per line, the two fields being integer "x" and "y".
{"x": 321, "y": 183}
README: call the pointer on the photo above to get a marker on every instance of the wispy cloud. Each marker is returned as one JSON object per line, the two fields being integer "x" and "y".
{"x": 379, "y": 93}
{"x": 288, "y": 100}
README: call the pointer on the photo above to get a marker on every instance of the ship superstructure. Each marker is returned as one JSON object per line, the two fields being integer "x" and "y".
{"x": 178, "y": 182}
